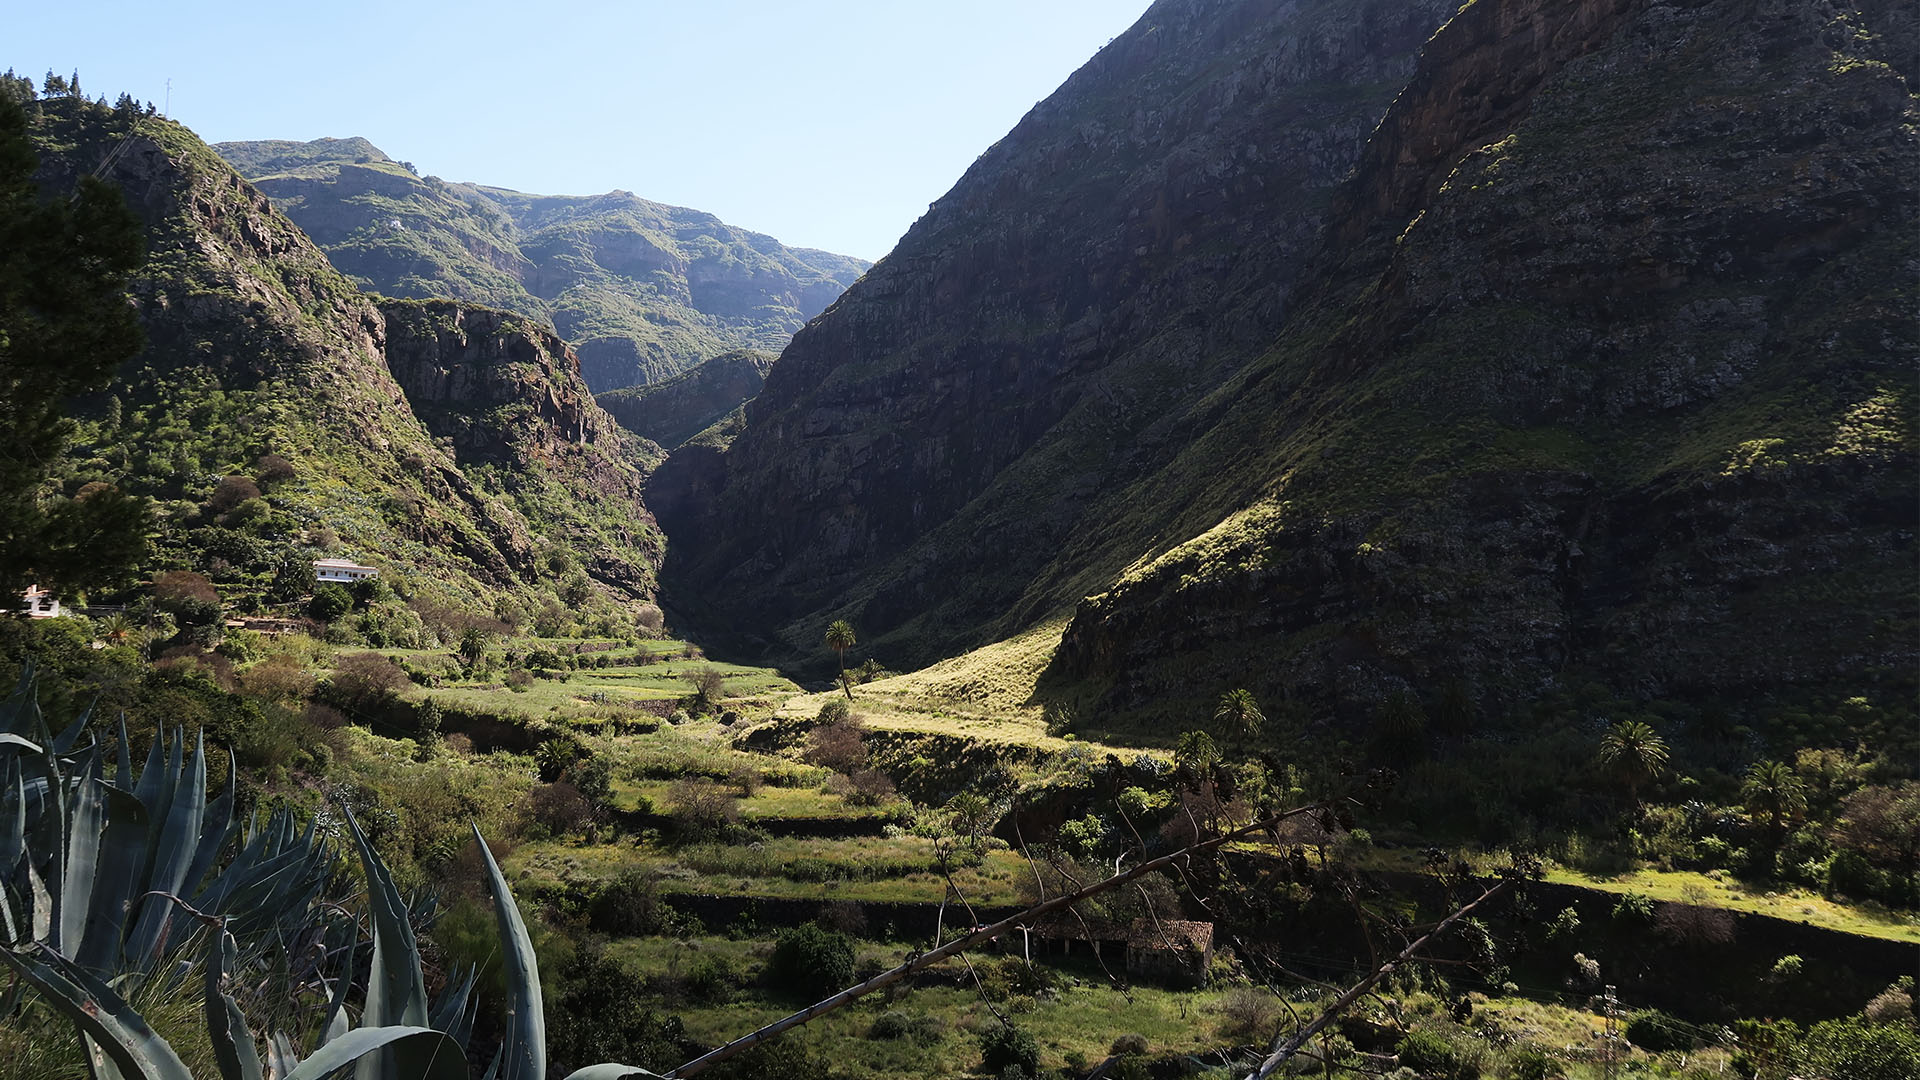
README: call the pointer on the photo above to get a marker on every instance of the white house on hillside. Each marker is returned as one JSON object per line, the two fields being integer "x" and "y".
{"x": 341, "y": 572}
{"x": 40, "y": 604}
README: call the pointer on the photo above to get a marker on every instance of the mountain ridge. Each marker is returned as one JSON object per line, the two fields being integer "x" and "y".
{"x": 641, "y": 290}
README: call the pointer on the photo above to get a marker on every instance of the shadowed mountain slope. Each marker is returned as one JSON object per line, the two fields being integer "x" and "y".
{"x": 674, "y": 411}
{"x": 1037, "y": 338}
{"x": 1599, "y": 361}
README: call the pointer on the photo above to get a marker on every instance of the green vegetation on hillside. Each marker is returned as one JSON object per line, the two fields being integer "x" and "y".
{"x": 641, "y": 290}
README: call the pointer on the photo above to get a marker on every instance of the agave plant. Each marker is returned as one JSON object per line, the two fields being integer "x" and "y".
{"x": 108, "y": 882}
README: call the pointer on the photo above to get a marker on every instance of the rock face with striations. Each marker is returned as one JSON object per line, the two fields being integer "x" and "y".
{"x": 674, "y": 411}
{"x": 1034, "y": 339}
{"x": 642, "y": 290}
{"x": 1599, "y": 359}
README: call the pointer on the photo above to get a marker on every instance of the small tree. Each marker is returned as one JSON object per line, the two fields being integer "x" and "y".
{"x": 473, "y": 645}
{"x": 330, "y": 601}
{"x": 1634, "y": 753}
{"x": 1771, "y": 789}
{"x": 366, "y": 683}
{"x": 811, "y": 961}
{"x": 709, "y": 687}
{"x": 971, "y": 816}
{"x": 188, "y": 597}
{"x": 1197, "y": 753}
{"x": 840, "y": 746}
{"x": 230, "y": 492}
{"x": 1008, "y": 1047}
{"x": 1238, "y": 715}
{"x": 272, "y": 468}
{"x": 840, "y": 638}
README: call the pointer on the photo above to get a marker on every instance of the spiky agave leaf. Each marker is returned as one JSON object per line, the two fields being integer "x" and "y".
{"x": 233, "y": 1047}
{"x": 122, "y": 856}
{"x": 101, "y": 1015}
{"x": 184, "y": 806}
{"x": 525, "y": 1051}
{"x": 417, "y": 1053}
{"x": 82, "y": 857}
{"x": 396, "y": 993}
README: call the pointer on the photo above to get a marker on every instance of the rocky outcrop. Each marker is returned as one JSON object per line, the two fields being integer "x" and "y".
{"x": 505, "y": 393}
{"x": 922, "y": 447}
{"x": 641, "y": 290}
{"x": 448, "y": 446}
{"x": 460, "y": 361}
{"x": 676, "y": 410}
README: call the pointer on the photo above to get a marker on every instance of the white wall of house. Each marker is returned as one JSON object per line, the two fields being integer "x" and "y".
{"x": 341, "y": 572}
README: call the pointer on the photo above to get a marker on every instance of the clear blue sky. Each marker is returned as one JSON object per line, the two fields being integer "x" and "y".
{"x": 827, "y": 123}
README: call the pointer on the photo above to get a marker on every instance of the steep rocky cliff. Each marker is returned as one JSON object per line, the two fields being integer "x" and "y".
{"x": 257, "y": 346}
{"x": 507, "y": 395}
{"x": 1036, "y": 338}
{"x": 1609, "y": 379}
{"x": 643, "y": 291}
{"x": 1600, "y": 361}
{"x": 676, "y": 410}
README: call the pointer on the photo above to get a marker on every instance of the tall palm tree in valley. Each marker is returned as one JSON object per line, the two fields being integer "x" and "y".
{"x": 1635, "y": 753}
{"x": 840, "y": 638}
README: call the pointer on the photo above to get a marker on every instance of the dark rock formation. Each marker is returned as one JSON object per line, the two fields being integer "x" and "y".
{"x": 676, "y": 410}
{"x": 1597, "y": 362}
{"x": 1032, "y": 339}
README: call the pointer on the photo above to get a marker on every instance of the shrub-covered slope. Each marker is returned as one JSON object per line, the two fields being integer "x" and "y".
{"x": 457, "y": 449}
{"x": 642, "y": 290}
{"x": 1601, "y": 370}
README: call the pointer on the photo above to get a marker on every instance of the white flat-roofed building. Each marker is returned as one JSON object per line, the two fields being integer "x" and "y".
{"x": 40, "y": 604}
{"x": 341, "y": 572}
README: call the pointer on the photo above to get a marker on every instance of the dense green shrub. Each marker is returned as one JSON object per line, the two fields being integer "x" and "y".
{"x": 329, "y": 602}
{"x": 629, "y": 905}
{"x": 1430, "y": 1053}
{"x": 601, "y": 1013}
{"x": 1007, "y": 1047}
{"x": 811, "y": 962}
{"x": 900, "y": 1024}
{"x": 711, "y": 978}
{"x": 1655, "y": 1031}
{"x": 1859, "y": 1050}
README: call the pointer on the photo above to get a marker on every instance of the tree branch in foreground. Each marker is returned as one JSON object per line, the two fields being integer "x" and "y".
{"x": 1286, "y": 1049}
{"x": 966, "y": 941}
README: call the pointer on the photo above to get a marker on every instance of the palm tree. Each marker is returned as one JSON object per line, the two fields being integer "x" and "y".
{"x": 1238, "y": 715}
{"x": 840, "y": 638}
{"x": 1631, "y": 749}
{"x": 115, "y": 628}
{"x": 1772, "y": 788}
